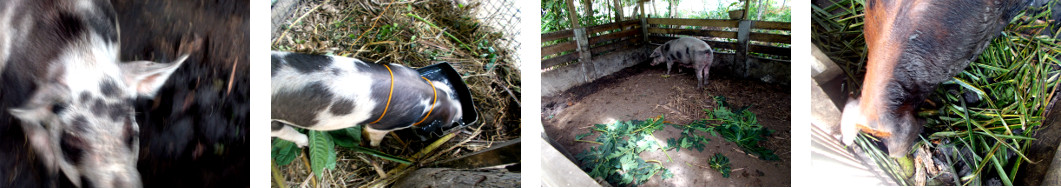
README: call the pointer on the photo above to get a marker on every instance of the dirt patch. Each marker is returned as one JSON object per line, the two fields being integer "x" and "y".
{"x": 194, "y": 132}
{"x": 641, "y": 92}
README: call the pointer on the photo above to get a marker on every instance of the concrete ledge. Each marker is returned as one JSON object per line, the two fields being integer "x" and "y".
{"x": 559, "y": 80}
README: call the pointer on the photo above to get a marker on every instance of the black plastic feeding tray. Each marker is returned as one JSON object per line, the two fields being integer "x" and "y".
{"x": 444, "y": 72}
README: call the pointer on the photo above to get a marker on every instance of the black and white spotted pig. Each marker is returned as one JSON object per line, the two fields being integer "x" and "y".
{"x": 329, "y": 92}
{"x": 62, "y": 82}
{"x": 687, "y": 52}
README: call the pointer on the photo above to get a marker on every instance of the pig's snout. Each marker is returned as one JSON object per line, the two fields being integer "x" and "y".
{"x": 897, "y": 131}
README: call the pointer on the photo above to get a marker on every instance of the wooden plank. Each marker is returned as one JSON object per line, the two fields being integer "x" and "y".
{"x": 772, "y": 50}
{"x": 613, "y": 47}
{"x": 610, "y": 26}
{"x": 559, "y": 60}
{"x": 767, "y": 37}
{"x": 717, "y": 45}
{"x": 772, "y": 25}
{"x": 693, "y": 22}
{"x": 551, "y": 36}
{"x": 694, "y": 32}
{"x": 627, "y": 33}
{"x": 634, "y": 40}
{"x": 557, "y": 48}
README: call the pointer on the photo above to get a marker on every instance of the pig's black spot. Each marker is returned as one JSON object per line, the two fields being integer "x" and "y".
{"x": 73, "y": 147}
{"x": 68, "y": 26}
{"x": 301, "y": 107}
{"x": 306, "y": 63}
{"x": 342, "y": 107}
{"x": 276, "y": 125}
{"x": 58, "y": 108}
{"x": 104, "y": 22}
{"x": 666, "y": 47}
{"x": 109, "y": 87}
{"x": 276, "y": 63}
{"x": 99, "y": 106}
{"x": 80, "y": 123}
{"x": 85, "y": 96}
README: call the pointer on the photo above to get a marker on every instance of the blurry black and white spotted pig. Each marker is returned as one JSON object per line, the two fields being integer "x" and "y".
{"x": 330, "y": 92}
{"x": 62, "y": 81}
{"x": 688, "y": 52}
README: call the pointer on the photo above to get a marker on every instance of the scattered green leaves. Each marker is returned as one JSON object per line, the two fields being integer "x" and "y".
{"x": 616, "y": 159}
{"x": 720, "y": 163}
{"x": 322, "y": 154}
{"x": 284, "y": 151}
{"x": 740, "y": 127}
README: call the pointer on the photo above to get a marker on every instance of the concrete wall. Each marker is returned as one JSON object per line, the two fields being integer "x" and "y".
{"x": 563, "y": 78}
{"x": 764, "y": 70}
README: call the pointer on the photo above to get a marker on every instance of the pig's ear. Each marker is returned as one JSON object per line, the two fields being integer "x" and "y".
{"x": 40, "y": 108}
{"x": 146, "y": 77}
{"x": 41, "y": 127}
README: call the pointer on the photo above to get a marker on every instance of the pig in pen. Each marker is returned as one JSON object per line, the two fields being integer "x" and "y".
{"x": 597, "y": 76}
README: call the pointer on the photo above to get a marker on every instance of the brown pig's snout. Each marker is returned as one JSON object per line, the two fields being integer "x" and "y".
{"x": 899, "y": 131}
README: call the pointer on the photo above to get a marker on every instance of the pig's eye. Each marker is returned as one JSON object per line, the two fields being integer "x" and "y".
{"x": 58, "y": 108}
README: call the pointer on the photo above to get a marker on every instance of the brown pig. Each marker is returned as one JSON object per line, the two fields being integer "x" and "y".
{"x": 913, "y": 47}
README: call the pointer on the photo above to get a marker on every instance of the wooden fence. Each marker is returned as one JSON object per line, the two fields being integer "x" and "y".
{"x": 742, "y": 38}
{"x": 601, "y": 39}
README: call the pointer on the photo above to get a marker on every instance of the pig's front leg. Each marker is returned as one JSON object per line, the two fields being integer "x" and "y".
{"x": 669, "y": 64}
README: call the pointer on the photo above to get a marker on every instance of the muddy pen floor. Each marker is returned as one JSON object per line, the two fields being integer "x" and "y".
{"x": 641, "y": 92}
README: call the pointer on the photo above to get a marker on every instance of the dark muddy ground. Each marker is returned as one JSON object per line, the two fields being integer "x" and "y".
{"x": 640, "y": 92}
{"x": 194, "y": 133}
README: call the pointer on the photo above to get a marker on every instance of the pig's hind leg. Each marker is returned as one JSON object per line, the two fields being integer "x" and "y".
{"x": 284, "y": 131}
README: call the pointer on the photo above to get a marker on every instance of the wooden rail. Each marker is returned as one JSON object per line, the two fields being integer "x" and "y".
{"x": 560, "y": 47}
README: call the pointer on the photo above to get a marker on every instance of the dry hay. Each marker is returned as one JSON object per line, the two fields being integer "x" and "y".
{"x": 400, "y": 32}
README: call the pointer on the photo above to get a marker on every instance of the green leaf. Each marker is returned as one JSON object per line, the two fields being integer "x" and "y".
{"x": 580, "y": 136}
{"x": 381, "y": 155}
{"x": 348, "y": 137}
{"x": 321, "y": 152}
{"x": 284, "y": 151}
{"x": 666, "y": 174}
